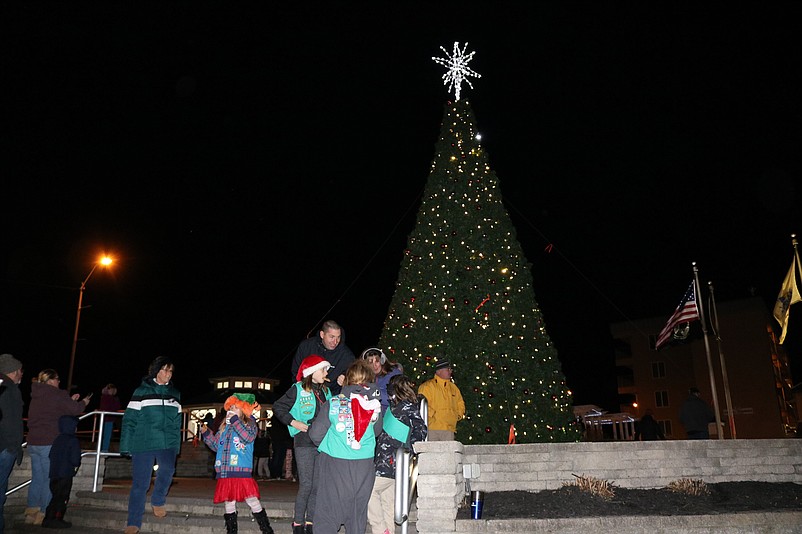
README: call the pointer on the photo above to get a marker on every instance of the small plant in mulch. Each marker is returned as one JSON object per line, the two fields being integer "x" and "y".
{"x": 594, "y": 486}
{"x": 689, "y": 487}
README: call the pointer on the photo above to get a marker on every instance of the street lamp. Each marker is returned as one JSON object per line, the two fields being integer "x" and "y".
{"x": 105, "y": 261}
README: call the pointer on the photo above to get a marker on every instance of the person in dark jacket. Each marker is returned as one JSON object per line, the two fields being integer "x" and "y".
{"x": 11, "y": 428}
{"x": 297, "y": 409}
{"x": 65, "y": 459}
{"x": 151, "y": 433}
{"x": 261, "y": 456}
{"x": 329, "y": 345}
{"x": 109, "y": 402}
{"x": 695, "y": 415}
{"x": 384, "y": 370}
{"x": 280, "y": 442}
{"x": 402, "y": 425}
{"x": 648, "y": 428}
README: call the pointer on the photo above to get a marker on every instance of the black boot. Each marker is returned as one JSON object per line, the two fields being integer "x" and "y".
{"x": 308, "y": 528}
{"x": 263, "y": 522}
{"x": 231, "y": 522}
{"x": 55, "y": 520}
{"x": 298, "y": 529}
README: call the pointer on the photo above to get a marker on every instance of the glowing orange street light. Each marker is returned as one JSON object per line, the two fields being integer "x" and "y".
{"x": 105, "y": 261}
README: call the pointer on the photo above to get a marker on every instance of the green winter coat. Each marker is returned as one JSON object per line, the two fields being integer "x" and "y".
{"x": 152, "y": 420}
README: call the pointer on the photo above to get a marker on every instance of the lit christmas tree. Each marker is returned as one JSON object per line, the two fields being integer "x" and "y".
{"x": 464, "y": 293}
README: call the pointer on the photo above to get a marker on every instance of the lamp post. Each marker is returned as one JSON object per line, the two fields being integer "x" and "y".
{"x": 105, "y": 261}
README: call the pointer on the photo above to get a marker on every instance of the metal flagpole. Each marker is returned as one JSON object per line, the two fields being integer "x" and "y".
{"x": 707, "y": 350}
{"x": 728, "y": 400}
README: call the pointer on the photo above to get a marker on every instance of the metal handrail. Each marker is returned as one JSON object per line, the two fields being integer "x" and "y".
{"x": 406, "y": 477}
{"x": 97, "y": 452}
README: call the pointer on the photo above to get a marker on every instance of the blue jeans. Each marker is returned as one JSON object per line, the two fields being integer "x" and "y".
{"x": 108, "y": 428}
{"x": 7, "y": 459}
{"x": 141, "y": 471}
{"x": 39, "y": 491}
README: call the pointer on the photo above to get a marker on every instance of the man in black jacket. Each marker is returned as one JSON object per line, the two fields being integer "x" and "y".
{"x": 329, "y": 345}
{"x": 11, "y": 433}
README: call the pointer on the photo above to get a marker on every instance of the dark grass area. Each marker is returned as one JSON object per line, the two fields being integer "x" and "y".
{"x": 570, "y": 501}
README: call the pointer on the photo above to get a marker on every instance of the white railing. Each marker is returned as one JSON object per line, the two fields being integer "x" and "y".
{"x": 98, "y": 415}
{"x": 406, "y": 477}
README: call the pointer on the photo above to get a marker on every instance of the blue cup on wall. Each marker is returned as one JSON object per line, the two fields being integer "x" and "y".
{"x": 477, "y": 501}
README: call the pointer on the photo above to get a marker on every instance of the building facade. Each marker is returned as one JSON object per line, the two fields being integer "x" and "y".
{"x": 758, "y": 380}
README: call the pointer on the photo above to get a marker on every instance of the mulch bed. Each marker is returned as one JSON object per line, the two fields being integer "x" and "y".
{"x": 571, "y": 501}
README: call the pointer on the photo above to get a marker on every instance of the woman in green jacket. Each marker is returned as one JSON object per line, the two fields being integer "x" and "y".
{"x": 151, "y": 432}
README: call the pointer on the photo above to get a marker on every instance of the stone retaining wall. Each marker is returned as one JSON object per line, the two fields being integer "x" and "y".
{"x": 447, "y": 470}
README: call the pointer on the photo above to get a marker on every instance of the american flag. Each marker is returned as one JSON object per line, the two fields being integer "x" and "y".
{"x": 685, "y": 313}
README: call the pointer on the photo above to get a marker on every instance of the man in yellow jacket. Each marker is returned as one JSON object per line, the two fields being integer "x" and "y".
{"x": 446, "y": 406}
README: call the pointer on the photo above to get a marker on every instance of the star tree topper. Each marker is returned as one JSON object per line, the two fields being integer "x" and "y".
{"x": 458, "y": 70}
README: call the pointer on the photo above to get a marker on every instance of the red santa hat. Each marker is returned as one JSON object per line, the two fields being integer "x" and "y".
{"x": 364, "y": 411}
{"x": 311, "y": 364}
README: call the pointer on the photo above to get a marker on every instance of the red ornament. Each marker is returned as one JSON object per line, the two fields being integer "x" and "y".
{"x": 488, "y": 430}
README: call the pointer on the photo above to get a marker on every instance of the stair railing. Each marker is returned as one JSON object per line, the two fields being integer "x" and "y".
{"x": 97, "y": 452}
{"x": 406, "y": 477}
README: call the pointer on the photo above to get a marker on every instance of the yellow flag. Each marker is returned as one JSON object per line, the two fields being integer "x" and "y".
{"x": 789, "y": 294}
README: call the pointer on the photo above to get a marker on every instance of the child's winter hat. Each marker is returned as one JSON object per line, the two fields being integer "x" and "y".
{"x": 311, "y": 364}
{"x": 245, "y": 401}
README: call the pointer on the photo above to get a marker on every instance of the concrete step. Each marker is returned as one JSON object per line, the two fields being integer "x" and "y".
{"x": 104, "y": 512}
{"x": 96, "y": 513}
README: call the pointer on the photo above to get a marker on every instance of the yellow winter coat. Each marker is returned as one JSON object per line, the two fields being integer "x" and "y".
{"x": 446, "y": 406}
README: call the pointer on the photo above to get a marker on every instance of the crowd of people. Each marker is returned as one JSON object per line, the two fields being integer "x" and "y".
{"x": 341, "y": 420}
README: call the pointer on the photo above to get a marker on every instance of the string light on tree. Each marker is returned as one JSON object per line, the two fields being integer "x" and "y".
{"x": 458, "y": 70}
{"x": 464, "y": 292}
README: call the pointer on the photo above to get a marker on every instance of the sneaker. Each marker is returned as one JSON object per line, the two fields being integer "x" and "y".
{"x": 159, "y": 511}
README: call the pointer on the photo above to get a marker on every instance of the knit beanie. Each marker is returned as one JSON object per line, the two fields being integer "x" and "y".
{"x": 9, "y": 364}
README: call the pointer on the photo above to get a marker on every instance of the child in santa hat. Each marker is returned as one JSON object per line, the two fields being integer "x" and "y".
{"x": 297, "y": 408}
{"x": 233, "y": 463}
{"x": 345, "y": 433}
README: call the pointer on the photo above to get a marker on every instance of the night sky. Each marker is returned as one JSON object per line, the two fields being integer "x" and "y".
{"x": 256, "y": 172}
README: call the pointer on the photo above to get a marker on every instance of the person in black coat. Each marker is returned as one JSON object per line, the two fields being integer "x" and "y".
{"x": 65, "y": 459}
{"x": 330, "y": 345}
{"x": 648, "y": 429}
